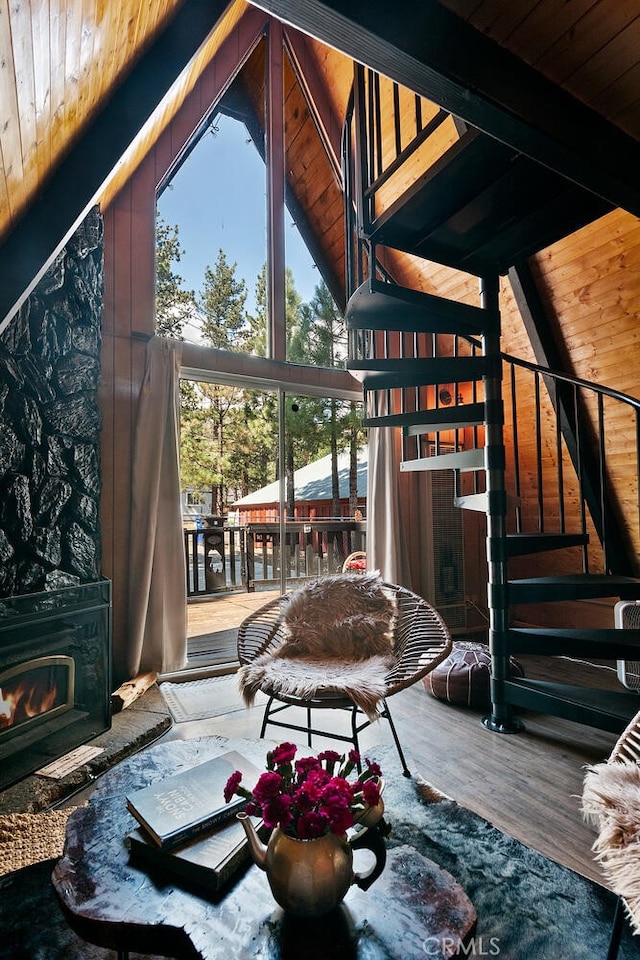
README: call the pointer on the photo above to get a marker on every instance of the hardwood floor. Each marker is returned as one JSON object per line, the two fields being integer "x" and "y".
{"x": 528, "y": 784}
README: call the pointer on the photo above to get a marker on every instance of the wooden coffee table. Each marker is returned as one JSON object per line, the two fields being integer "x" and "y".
{"x": 414, "y": 909}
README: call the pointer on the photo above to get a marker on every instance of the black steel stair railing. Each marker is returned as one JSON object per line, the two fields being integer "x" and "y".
{"x": 582, "y": 411}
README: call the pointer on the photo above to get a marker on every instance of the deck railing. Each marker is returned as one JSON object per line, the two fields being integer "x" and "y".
{"x": 226, "y": 558}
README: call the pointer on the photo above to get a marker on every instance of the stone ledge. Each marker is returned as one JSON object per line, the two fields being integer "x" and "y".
{"x": 140, "y": 724}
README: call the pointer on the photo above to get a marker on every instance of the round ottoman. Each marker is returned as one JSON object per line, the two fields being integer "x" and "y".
{"x": 463, "y": 678}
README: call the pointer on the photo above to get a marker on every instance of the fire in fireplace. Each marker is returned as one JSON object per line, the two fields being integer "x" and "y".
{"x": 37, "y": 690}
{"x": 55, "y": 689}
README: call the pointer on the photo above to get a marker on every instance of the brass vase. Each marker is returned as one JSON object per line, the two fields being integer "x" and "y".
{"x": 308, "y": 878}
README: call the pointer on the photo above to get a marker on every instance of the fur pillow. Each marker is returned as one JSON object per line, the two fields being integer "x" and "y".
{"x": 611, "y": 802}
{"x": 348, "y": 616}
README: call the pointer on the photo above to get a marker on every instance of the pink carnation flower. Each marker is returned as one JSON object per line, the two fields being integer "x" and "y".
{"x": 269, "y": 785}
{"x": 283, "y": 754}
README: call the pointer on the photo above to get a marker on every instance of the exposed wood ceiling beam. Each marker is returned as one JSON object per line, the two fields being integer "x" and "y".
{"x": 431, "y": 51}
{"x": 65, "y": 199}
{"x": 276, "y": 255}
{"x": 328, "y": 125}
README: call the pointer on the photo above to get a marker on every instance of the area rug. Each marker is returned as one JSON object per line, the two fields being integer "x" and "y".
{"x": 528, "y": 907}
{"x": 27, "y": 838}
{"x": 202, "y": 699}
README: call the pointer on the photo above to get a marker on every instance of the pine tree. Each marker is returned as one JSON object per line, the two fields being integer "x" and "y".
{"x": 174, "y": 304}
{"x": 256, "y": 338}
{"x": 222, "y": 303}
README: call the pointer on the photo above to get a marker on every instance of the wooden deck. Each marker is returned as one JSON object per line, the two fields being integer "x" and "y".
{"x": 212, "y": 627}
{"x": 528, "y": 784}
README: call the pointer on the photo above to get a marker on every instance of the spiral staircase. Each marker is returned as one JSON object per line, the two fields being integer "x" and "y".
{"x": 482, "y": 209}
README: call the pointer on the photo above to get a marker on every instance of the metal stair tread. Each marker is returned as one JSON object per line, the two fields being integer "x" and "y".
{"x": 573, "y": 586}
{"x": 464, "y": 460}
{"x": 473, "y": 414}
{"x": 377, "y": 305}
{"x": 607, "y": 709}
{"x": 472, "y": 501}
{"x": 447, "y": 418}
{"x": 607, "y": 643}
{"x": 521, "y": 544}
{"x": 381, "y": 374}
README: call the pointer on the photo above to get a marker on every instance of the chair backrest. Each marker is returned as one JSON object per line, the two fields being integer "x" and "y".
{"x": 356, "y": 562}
{"x": 421, "y": 639}
{"x": 627, "y": 746}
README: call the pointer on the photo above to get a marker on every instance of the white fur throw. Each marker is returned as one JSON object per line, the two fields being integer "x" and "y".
{"x": 363, "y": 682}
{"x": 611, "y": 801}
{"x": 338, "y": 636}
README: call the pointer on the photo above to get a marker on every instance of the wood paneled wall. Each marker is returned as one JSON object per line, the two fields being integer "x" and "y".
{"x": 590, "y": 284}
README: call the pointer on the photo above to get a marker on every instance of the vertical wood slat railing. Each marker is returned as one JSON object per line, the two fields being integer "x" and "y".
{"x": 226, "y": 558}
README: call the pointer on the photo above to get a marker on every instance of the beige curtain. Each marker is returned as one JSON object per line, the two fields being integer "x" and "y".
{"x": 398, "y": 513}
{"x": 386, "y": 525}
{"x": 157, "y": 578}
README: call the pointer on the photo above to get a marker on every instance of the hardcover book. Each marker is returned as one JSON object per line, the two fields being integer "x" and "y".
{"x": 208, "y": 862}
{"x": 181, "y": 807}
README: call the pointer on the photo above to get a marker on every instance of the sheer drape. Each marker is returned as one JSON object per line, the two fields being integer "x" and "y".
{"x": 386, "y": 529}
{"x": 398, "y": 513}
{"x": 157, "y": 579}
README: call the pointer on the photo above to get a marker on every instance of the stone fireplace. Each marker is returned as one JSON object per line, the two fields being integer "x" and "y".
{"x": 55, "y": 675}
{"x": 55, "y": 608}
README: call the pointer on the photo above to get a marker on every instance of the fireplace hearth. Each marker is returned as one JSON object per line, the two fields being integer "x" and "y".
{"x": 55, "y": 675}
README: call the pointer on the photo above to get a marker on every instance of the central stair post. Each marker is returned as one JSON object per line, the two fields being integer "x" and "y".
{"x": 501, "y": 719}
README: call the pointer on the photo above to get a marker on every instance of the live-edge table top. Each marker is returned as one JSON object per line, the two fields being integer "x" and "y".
{"x": 414, "y": 909}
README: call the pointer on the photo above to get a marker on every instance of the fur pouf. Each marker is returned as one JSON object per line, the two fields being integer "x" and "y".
{"x": 338, "y": 635}
{"x": 611, "y": 801}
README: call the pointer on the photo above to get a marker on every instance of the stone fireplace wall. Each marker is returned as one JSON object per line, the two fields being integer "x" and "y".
{"x": 50, "y": 425}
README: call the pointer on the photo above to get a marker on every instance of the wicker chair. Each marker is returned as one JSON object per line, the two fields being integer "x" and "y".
{"x": 421, "y": 640}
{"x": 356, "y": 562}
{"x": 617, "y": 852}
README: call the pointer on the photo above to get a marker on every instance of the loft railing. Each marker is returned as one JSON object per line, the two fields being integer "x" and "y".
{"x": 360, "y": 254}
{"x": 396, "y": 125}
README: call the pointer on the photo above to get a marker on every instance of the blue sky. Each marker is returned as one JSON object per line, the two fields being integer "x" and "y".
{"x": 217, "y": 199}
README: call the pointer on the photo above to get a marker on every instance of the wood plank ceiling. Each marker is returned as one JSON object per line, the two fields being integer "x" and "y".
{"x": 588, "y": 47}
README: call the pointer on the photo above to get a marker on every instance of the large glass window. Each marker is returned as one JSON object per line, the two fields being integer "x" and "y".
{"x": 261, "y": 469}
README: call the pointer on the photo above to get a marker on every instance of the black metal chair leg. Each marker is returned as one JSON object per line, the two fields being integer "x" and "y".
{"x": 386, "y": 713}
{"x": 354, "y": 734}
{"x": 309, "y": 726}
{"x": 616, "y": 930}
{"x": 265, "y": 717}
